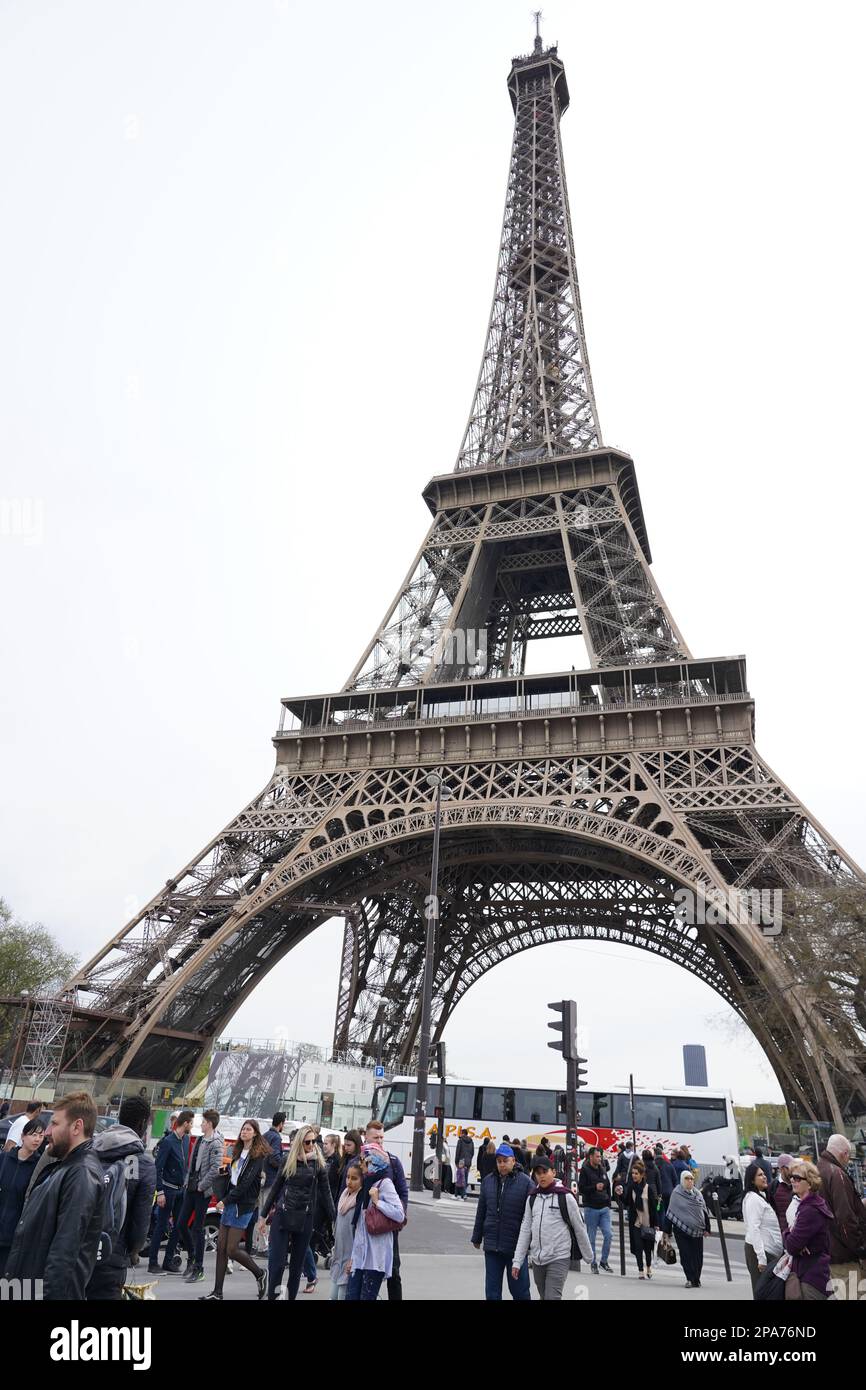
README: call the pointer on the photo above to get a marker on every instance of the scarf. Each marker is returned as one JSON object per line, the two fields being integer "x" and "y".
{"x": 641, "y": 1193}
{"x": 686, "y": 1211}
{"x": 347, "y": 1201}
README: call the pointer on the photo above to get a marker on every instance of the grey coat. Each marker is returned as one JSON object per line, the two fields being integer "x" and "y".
{"x": 342, "y": 1251}
{"x": 544, "y": 1235}
{"x": 208, "y": 1158}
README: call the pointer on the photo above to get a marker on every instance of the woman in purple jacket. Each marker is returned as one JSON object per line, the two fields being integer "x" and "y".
{"x": 808, "y": 1240}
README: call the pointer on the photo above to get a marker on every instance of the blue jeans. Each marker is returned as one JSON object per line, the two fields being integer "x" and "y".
{"x": 311, "y": 1273}
{"x": 495, "y": 1265}
{"x": 364, "y": 1286}
{"x": 595, "y": 1218}
{"x": 172, "y": 1199}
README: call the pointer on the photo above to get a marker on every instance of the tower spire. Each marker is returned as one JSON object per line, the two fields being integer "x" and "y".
{"x": 537, "y": 45}
{"x": 534, "y": 395}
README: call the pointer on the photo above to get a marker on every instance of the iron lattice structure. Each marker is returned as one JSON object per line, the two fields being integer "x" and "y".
{"x": 578, "y": 802}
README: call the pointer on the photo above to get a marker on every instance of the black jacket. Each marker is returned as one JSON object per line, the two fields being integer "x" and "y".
{"x": 15, "y": 1175}
{"x": 58, "y": 1234}
{"x": 249, "y": 1186}
{"x": 307, "y": 1190}
{"x": 464, "y": 1151}
{"x": 486, "y": 1163}
{"x": 633, "y": 1203}
{"x": 587, "y": 1179}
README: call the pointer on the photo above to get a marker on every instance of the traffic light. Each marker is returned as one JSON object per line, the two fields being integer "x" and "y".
{"x": 580, "y": 1073}
{"x": 567, "y": 1044}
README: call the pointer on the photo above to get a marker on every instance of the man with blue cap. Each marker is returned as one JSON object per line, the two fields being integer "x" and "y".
{"x": 498, "y": 1218}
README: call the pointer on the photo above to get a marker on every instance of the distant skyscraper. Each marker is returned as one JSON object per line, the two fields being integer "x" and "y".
{"x": 695, "y": 1064}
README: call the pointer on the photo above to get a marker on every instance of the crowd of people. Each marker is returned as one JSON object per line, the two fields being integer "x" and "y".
{"x": 79, "y": 1209}
{"x": 805, "y": 1233}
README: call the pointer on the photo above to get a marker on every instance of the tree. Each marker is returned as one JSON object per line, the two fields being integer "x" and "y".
{"x": 822, "y": 948}
{"x": 30, "y": 958}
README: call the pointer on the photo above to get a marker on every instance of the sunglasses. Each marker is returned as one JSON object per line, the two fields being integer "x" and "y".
{"x": 798, "y": 1177}
{"x": 308, "y": 1143}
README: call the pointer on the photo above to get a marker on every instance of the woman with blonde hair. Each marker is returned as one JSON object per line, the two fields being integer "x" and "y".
{"x": 808, "y": 1238}
{"x": 300, "y": 1195}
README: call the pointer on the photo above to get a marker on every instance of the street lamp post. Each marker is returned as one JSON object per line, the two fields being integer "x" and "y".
{"x": 416, "y": 1181}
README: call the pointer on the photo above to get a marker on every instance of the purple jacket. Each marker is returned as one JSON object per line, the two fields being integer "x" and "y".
{"x": 809, "y": 1241}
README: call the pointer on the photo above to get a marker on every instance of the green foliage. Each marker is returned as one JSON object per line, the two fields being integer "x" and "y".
{"x": 30, "y": 958}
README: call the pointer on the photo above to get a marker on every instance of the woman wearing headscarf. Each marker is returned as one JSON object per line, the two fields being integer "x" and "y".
{"x": 300, "y": 1195}
{"x": 688, "y": 1218}
{"x": 641, "y": 1201}
{"x": 762, "y": 1244}
{"x": 807, "y": 1238}
{"x": 372, "y": 1255}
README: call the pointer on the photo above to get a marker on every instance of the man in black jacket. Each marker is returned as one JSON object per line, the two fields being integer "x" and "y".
{"x": 593, "y": 1185}
{"x": 58, "y": 1234}
{"x": 172, "y": 1157}
{"x": 125, "y": 1143}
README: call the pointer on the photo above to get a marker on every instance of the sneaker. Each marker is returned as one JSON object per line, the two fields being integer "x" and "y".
{"x": 649, "y": 1274}
{"x": 207, "y": 1297}
{"x": 154, "y": 1269}
{"x": 195, "y": 1275}
{"x": 594, "y": 1267}
{"x": 230, "y": 1267}
{"x": 311, "y": 1284}
{"x": 640, "y": 1274}
{"x": 606, "y": 1267}
{"x": 170, "y": 1269}
{"x": 262, "y": 1283}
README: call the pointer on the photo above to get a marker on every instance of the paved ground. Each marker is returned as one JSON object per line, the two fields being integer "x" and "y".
{"x": 438, "y": 1262}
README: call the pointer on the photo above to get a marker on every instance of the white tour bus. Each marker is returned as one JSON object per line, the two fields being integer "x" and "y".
{"x": 693, "y": 1115}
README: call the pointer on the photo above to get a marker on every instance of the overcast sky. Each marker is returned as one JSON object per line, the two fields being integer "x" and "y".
{"x": 247, "y": 256}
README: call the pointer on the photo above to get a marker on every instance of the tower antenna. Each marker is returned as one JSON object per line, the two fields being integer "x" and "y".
{"x": 537, "y": 17}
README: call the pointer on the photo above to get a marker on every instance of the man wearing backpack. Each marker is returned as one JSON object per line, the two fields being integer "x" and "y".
{"x": 551, "y": 1226}
{"x": 57, "y": 1237}
{"x": 129, "y": 1176}
{"x": 273, "y": 1163}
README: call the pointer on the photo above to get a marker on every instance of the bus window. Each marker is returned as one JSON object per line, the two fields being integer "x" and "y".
{"x": 492, "y": 1104}
{"x": 464, "y": 1103}
{"x": 650, "y": 1112}
{"x": 534, "y": 1107}
{"x": 691, "y": 1114}
{"x": 602, "y": 1111}
{"x": 394, "y": 1105}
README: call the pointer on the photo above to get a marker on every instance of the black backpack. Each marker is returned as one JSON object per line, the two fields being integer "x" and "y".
{"x": 575, "y": 1259}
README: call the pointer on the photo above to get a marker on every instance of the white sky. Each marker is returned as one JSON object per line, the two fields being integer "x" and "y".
{"x": 246, "y": 257}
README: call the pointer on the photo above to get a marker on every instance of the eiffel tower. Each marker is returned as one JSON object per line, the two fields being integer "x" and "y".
{"x": 578, "y": 805}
